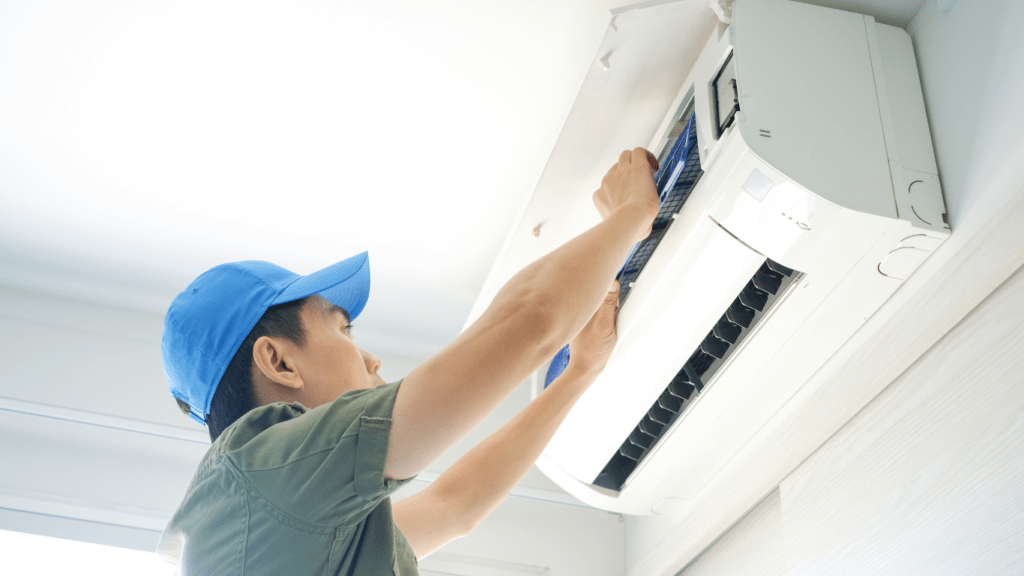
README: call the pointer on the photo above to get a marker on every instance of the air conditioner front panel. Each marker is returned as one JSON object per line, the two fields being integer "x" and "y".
{"x": 820, "y": 109}
{"x": 711, "y": 266}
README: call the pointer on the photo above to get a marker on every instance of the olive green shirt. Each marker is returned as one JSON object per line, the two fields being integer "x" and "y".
{"x": 289, "y": 490}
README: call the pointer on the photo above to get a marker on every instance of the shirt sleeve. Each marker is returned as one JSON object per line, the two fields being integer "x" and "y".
{"x": 325, "y": 466}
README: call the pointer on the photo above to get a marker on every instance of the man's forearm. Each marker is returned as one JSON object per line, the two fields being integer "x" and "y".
{"x": 481, "y": 479}
{"x": 571, "y": 281}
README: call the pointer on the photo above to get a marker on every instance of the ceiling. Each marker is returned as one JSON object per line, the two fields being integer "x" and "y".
{"x": 142, "y": 143}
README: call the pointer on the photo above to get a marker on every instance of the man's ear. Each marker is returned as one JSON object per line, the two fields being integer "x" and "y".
{"x": 273, "y": 359}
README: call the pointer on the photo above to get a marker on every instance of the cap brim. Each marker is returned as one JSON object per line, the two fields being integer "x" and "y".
{"x": 345, "y": 284}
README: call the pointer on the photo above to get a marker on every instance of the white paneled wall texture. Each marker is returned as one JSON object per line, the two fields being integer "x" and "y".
{"x": 926, "y": 479}
{"x": 754, "y": 545}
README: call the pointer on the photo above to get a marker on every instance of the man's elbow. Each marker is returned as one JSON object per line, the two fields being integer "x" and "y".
{"x": 548, "y": 332}
{"x": 530, "y": 321}
{"x": 459, "y": 518}
{"x": 466, "y": 523}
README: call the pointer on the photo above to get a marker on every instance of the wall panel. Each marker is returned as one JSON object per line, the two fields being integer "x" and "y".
{"x": 927, "y": 479}
{"x": 753, "y": 546}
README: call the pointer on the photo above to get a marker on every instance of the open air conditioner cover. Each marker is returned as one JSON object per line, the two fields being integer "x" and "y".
{"x": 799, "y": 190}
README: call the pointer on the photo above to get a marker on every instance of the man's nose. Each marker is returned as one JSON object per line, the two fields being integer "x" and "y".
{"x": 371, "y": 361}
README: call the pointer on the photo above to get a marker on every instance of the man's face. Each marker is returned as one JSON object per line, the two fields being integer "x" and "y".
{"x": 330, "y": 363}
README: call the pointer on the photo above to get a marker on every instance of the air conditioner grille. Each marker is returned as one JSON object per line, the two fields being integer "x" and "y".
{"x": 679, "y": 171}
{"x": 675, "y": 179}
{"x": 758, "y": 296}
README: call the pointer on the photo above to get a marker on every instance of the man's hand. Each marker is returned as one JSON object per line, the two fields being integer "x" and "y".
{"x": 630, "y": 183}
{"x": 590, "y": 350}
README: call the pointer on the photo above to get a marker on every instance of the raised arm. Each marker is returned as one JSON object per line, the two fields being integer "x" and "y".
{"x": 540, "y": 309}
{"x": 474, "y": 486}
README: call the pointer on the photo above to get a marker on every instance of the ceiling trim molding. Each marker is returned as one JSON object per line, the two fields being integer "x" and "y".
{"x": 103, "y": 420}
{"x": 82, "y": 509}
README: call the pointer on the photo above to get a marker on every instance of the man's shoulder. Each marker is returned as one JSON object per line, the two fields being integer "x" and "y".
{"x": 258, "y": 421}
{"x": 278, "y": 433}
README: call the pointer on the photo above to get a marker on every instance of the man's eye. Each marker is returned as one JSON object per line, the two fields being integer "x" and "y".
{"x": 348, "y": 329}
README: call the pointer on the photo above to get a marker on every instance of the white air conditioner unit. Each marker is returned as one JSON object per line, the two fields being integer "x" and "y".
{"x": 808, "y": 193}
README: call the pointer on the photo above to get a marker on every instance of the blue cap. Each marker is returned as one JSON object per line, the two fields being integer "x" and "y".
{"x": 210, "y": 319}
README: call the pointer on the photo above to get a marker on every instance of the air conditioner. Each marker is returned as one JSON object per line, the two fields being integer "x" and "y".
{"x": 799, "y": 191}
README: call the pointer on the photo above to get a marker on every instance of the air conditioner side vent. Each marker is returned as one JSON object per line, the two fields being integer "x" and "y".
{"x": 753, "y": 303}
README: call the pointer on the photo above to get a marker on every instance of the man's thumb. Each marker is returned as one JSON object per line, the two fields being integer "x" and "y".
{"x": 613, "y": 294}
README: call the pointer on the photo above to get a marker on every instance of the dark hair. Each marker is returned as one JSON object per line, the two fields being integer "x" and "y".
{"x": 235, "y": 393}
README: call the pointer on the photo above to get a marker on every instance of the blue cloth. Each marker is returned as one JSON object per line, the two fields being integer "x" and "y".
{"x": 558, "y": 364}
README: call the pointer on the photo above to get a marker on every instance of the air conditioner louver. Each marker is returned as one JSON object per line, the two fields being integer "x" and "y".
{"x": 753, "y": 303}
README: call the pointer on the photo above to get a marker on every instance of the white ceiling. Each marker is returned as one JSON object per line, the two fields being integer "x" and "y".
{"x": 142, "y": 143}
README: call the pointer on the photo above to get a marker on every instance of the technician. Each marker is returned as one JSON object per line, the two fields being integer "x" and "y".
{"x": 308, "y": 440}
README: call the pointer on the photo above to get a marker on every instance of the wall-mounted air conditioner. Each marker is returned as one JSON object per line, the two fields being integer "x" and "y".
{"x": 799, "y": 191}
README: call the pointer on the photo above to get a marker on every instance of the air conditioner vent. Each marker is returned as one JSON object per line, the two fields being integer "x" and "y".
{"x": 764, "y": 289}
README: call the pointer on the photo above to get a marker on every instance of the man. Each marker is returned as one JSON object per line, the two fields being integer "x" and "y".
{"x": 309, "y": 441}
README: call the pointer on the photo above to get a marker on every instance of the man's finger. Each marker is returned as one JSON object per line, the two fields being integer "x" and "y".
{"x": 639, "y": 155}
{"x": 626, "y": 157}
{"x": 611, "y": 299}
{"x": 611, "y": 303}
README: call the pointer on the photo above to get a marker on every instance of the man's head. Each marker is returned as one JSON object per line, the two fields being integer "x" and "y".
{"x": 301, "y": 351}
{"x": 251, "y": 333}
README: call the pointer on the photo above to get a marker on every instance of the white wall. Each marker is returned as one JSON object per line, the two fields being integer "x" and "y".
{"x": 754, "y": 545}
{"x": 970, "y": 57}
{"x": 927, "y": 478}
